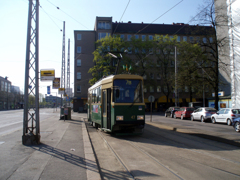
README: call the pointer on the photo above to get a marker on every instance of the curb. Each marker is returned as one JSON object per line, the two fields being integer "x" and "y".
{"x": 91, "y": 163}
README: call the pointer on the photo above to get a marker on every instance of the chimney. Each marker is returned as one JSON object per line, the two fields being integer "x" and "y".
{"x": 6, "y": 77}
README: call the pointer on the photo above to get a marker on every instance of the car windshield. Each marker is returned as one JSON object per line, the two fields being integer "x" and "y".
{"x": 127, "y": 91}
{"x": 190, "y": 109}
{"x": 236, "y": 111}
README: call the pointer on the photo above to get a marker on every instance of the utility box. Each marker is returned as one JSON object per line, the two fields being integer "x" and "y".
{"x": 65, "y": 113}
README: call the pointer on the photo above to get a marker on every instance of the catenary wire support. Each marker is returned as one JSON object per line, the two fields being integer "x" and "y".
{"x": 63, "y": 64}
{"x": 31, "y": 128}
{"x": 68, "y": 74}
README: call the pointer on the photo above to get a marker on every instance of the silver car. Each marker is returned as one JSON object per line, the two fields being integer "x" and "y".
{"x": 225, "y": 115}
{"x": 203, "y": 113}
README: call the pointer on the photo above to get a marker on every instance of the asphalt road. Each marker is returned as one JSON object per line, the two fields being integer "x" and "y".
{"x": 162, "y": 153}
{"x": 12, "y": 120}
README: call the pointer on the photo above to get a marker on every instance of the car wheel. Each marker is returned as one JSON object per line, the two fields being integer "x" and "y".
{"x": 181, "y": 117}
{"x": 165, "y": 114}
{"x": 175, "y": 116}
{"x": 237, "y": 127}
{"x": 213, "y": 120}
{"x": 202, "y": 119}
{"x": 192, "y": 118}
{"x": 229, "y": 122}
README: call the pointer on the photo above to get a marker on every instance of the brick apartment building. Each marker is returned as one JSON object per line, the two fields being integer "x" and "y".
{"x": 85, "y": 46}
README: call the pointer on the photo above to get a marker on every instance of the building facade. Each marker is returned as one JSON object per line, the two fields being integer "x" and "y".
{"x": 85, "y": 46}
{"x": 5, "y": 93}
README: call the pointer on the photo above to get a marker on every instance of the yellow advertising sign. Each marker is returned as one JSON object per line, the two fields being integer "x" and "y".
{"x": 56, "y": 83}
{"x": 61, "y": 90}
{"x": 48, "y": 74}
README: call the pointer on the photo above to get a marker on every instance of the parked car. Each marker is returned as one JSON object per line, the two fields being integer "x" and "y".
{"x": 225, "y": 115}
{"x": 170, "y": 111}
{"x": 184, "y": 112}
{"x": 203, "y": 113}
{"x": 236, "y": 124}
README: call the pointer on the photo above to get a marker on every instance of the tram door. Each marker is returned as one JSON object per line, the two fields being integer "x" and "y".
{"x": 106, "y": 109}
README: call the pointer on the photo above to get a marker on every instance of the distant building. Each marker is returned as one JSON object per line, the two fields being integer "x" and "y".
{"x": 15, "y": 89}
{"x": 54, "y": 100}
{"x": 85, "y": 46}
{"x": 5, "y": 92}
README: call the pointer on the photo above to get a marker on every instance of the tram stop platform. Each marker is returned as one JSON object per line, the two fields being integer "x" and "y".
{"x": 65, "y": 152}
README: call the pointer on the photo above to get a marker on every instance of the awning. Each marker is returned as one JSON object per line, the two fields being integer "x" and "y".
{"x": 188, "y": 99}
{"x": 163, "y": 99}
{"x": 179, "y": 100}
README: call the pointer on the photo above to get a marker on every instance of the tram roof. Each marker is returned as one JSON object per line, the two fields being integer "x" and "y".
{"x": 110, "y": 79}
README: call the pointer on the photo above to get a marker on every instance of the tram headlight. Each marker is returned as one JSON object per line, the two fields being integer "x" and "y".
{"x": 119, "y": 118}
{"x": 140, "y": 117}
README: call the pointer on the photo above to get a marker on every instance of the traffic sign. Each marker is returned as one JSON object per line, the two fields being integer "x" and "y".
{"x": 151, "y": 98}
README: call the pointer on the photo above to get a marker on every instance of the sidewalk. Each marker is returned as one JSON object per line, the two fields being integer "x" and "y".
{"x": 65, "y": 152}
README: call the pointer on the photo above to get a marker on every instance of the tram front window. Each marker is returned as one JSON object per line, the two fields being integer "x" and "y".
{"x": 127, "y": 91}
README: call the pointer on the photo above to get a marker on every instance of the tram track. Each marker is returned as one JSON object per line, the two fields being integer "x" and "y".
{"x": 136, "y": 143}
{"x": 140, "y": 150}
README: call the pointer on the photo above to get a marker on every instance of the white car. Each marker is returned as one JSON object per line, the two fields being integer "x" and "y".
{"x": 225, "y": 115}
{"x": 203, "y": 113}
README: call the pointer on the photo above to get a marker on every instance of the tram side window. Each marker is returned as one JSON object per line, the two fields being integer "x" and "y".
{"x": 99, "y": 94}
{"x": 94, "y": 96}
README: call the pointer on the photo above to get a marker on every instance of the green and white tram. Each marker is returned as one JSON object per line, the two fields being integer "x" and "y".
{"x": 116, "y": 104}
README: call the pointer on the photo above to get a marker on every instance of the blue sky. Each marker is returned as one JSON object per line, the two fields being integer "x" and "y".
{"x": 78, "y": 15}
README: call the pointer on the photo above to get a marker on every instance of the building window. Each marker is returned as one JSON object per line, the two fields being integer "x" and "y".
{"x": 79, "y": 88}
{"x": 145, "y": 89}
{"x": 136, "y": 36}
{"x": 204, "y": 40}
{"x": 151, "y": 89}
{"x": 158, "y": 76}
{"x": 185, "y": 38}
{"x": 143, "y": 51}
{"x": 143, "y": 37}
{"x": 6, "y": 86}
{"x": 150, "y": 37}
{"x": 157, "y": 51}
{"x": 129, "y": 50}
{"x": 191, "y": 39}
{"x": 79, "y": 36}
{"x": 9, "y": 87}
{"x": 158, "y": 88}
{"x": 2, "y": 85}
{"x": 136, "y": 50}
{"x": 129, "y": 37}
{"x": 178, "y": 39}
{"x": 79, "y": 63}
{"x": 186, "y": 89}
{"x": 103, "y": 35}
{"x": 79, "y": 49}
{"x": 104, "y": 25}
{"x": 211, "y": 40}
{"x": 122, "y": 36}
{"x": 79, "y": 75}
{"x": 144, "y": 76}
{"x": 151, "y": 51}
{"x": 198, "y": 39}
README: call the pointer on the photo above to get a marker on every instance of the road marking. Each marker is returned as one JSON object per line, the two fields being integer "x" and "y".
{"x": 10, "y": 124}
{"x": 1, "y": 142}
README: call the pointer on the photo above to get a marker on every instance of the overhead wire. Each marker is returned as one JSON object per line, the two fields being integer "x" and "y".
{"x": 122, "y": 16}
{"x": 160, "y": 16}
{"x": 68, "y": 14}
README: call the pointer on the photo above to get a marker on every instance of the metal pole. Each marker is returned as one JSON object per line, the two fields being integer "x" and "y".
{"x": 151, "y": 112}
{"x": 176, "y": 93}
